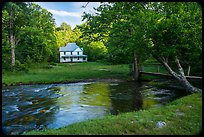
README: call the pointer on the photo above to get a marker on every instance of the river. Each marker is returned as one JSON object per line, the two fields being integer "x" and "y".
{"x": 36, "y": 107}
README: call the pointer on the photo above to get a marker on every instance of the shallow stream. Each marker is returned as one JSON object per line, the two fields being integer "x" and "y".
{"x": 31, "y": 107}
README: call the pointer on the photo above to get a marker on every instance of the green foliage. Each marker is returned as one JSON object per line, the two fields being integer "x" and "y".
{"x": 38, "y": 35}
{"x": 164, "y": 29}
{"x": 117, "y": 25}
{"x": 63, "y": 34}
{"x": 175, "y": 31}
{"x": 76, "y": 33}
{"x": 95, "y": 49}
{"x": 33, "y": 31}
{"x": 118, "y": 56}
{"x": 20, "y": 67}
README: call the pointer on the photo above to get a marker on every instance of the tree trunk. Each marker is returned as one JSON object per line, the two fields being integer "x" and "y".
{"x": 12, "y": 40}
{"x": 12, "y": 52}
{"x": 181, "y": 76}
{"x": 135, "y": 72}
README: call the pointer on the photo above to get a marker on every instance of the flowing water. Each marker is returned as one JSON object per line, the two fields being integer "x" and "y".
{"x": 35, "y": 107}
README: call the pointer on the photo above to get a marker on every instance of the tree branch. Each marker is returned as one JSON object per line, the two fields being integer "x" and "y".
{"x": 85, "y": 5}
{"x": 16, "y": 41}
{"x": 168, "y": 68}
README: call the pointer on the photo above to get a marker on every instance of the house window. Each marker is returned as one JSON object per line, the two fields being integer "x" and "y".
{"x": 78, "y": 53}
{"x": 64, "y": 53}
{"x": 71, "y": 53}
{"x": 78, "y": 58}
{"x": 84, "y": 58}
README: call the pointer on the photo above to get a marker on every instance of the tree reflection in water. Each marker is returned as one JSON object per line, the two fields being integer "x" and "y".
{"x": 32, "y": 107}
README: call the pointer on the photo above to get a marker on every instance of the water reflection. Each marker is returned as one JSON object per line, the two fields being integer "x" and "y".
{"x": 31, "y": 107}
{"x": 125, "y": 97}
{"x": 79, "y": 102}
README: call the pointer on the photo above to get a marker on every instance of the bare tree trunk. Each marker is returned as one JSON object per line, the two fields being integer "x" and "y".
{"x": 12, "y": 40}
{"x": 12, "y": 51}
{"x": 136, "y": 72}
{"x": 181, "y": 76}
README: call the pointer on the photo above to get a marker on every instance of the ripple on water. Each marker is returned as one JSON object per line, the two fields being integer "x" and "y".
{"x": 11, "y": 108}
{"x": 40, "y": 89}
{"x": 10, "y": 94}
{"x": 17, "y": 129}
{"x": 54, "y": 106}
{"x": 28, "y": 103}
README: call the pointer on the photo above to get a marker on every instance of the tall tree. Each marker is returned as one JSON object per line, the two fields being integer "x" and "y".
{"x": 13, "y": 23}
{"x": 76, "y": 33}
{"x": 162, "y": 29}
{"x": 119, "y": 22}
{"x": 63, "y": 34}
{"x": 175, "y": 31}
{"x": 38, "y": 38}
{"x": 29, "y": 29}
{"x": 94, "y": 48}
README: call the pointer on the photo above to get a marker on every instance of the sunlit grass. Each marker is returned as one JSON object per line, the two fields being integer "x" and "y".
{"x": 71, "y": 72}
{"x": 46, "y": 73}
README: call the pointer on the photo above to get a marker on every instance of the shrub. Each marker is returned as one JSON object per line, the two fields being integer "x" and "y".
{"x": 20, "y": 67}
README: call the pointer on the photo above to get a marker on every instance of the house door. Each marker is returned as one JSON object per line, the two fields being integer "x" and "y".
{"x": 71, "y": 59}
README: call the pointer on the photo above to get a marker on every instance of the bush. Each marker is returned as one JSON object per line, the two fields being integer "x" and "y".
{"x": 28, "y": 60}
{"x": 20, "y": 67}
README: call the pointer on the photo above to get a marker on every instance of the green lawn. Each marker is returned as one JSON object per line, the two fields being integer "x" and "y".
{"x": 66, "y": 72}
{"x": 182, "y": 117}
{"x": 45, "y": 73}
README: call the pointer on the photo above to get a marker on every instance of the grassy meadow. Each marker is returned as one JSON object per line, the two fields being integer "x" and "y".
{"x": 65, "y": 72}
{"x": 72, "y": 72}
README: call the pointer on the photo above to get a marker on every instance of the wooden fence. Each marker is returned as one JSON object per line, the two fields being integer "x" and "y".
{"x": 157, "y": 73}
{"x": 167, "y": 75}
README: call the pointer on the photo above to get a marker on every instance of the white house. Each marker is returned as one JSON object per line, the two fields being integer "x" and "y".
{"x": 72, "y": 53}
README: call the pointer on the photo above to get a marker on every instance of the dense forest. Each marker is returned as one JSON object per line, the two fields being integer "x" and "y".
{"x": 29, "y": 35}
{"x": 119, "y": 32}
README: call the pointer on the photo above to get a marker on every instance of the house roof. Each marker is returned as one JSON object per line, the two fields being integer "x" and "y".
{"x": 69, "y": 47}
